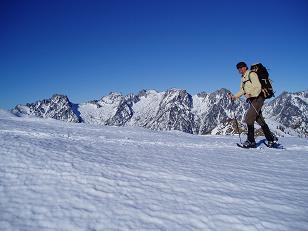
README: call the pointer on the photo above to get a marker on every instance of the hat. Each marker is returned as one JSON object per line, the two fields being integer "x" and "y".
{"x": 240, "y": 65}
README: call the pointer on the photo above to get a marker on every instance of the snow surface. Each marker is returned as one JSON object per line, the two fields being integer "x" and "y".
{"x": 65, "y": 176}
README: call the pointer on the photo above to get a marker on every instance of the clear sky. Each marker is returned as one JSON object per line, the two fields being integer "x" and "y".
{"x": 86, "y": 49}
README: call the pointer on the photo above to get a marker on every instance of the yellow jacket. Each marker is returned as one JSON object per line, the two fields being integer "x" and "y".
{"x": 252, "y": 86}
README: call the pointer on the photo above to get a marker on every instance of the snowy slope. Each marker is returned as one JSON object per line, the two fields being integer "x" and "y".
{"x": 56, "y": 175}
{"x": 146, "y": 108}
{"x": 175, "y": 109}
{"x": 291, "y": 111}
{"x": 57, "y": 107}
{"x": 100, "y": 111}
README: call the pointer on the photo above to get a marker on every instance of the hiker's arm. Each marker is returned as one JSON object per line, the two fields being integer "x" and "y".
{"x": 240, "y": 93}
{"x": 256, "y": 89}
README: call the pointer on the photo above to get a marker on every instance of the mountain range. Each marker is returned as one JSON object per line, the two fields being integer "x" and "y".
{"x": 175, "y": 109}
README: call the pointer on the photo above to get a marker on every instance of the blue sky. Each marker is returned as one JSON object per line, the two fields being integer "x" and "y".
{"x": 86, "y": 49}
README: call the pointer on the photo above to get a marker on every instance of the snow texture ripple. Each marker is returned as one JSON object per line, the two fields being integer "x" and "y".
{"x": 56, "y": 175}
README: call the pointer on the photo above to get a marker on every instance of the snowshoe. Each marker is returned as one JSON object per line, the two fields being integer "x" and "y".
{"x": 273, "y": 144}
{"x": 247, "y": 144}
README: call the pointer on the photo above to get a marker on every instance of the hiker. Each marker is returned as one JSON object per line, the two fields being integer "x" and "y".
{"x": 251, "y": 89}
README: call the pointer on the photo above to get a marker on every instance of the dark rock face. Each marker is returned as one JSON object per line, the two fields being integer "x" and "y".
{"x": 175, "y": 112}
{"x": 219, "y": 110}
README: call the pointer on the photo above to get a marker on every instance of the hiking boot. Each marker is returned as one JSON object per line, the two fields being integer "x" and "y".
{"x": 268, "y": 134}
{"x": 272, "y": 144}
{"x": 249, "y": 144}
{"x": 251, "y": 133}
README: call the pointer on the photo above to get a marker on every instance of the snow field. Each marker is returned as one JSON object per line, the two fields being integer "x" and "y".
{"x": 65, "y": 176}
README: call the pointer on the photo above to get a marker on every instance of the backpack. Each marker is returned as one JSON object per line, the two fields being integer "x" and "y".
{"x": 266, "y": 84}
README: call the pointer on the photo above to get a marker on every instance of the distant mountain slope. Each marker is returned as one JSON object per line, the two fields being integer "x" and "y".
{"x": 57, "y": 107}
{"x": 291, "y": 110}
{"x": 175, "y": 109}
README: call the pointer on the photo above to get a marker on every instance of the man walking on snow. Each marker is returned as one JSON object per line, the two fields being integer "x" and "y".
{"x": 251, "y": 89}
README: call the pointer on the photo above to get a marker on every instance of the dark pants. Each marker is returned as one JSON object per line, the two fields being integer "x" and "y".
{"x": 253, "y": 114}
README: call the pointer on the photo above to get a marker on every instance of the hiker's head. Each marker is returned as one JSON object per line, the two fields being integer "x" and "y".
{"x": 241, "y": 67}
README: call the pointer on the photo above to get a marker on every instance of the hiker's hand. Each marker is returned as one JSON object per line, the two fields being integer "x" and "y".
{"x": 232, "y": 97}
{"x": 248, "y": 96}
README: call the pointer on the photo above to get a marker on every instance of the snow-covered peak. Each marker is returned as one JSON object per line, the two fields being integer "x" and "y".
{"x": 57, "y": 107}
{"x": 202, "y": 94}
{"x": 177, "y": 96}
{"x": 291, "y": 110}
{"x": 145, "y": 93}
{"x": 303, "y": 96}
{"x": 221, "y": 92}
{"x": 59, "y": 98}
{"x": 176, "y": 91}
{"x": 111, "y": 98}
{"x": 174, "y": 109}
{"x": 146, "y": 108}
